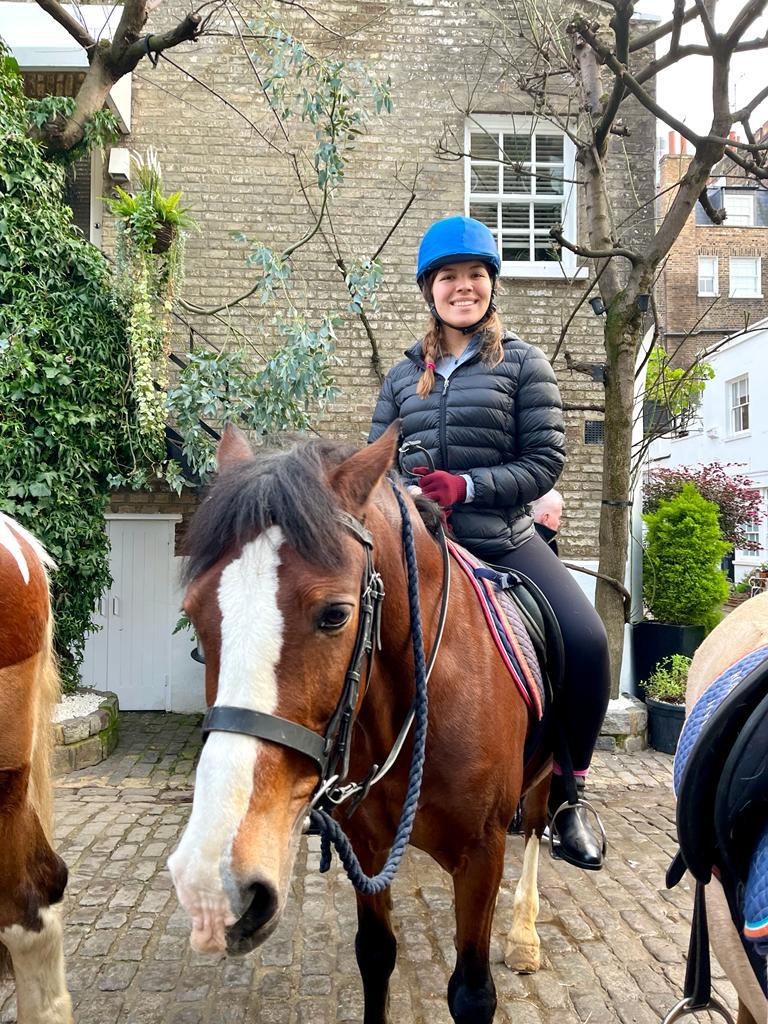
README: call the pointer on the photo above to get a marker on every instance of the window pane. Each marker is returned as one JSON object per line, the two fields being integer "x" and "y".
{"x": 486, "y": 213}
{"x": 707, "y": 275}
{"x": 549, "y": 147}
{"x": 517, "y": 148}
{"x": 484, "y": 146}
{"x": 546, "y": 254}
{"x": 512, "y": 251}
{"x": 517, "y": 179}
{"x": 485, "y": 178}
{"x": 545, "y": 216}
{"x": 745, "y": 276}
{"x": 515, "y": 217}
{"x": 740, "y": 208}
{"x": 550, "y": 181}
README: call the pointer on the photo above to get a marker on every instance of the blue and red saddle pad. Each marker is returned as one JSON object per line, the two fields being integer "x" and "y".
{"x": 506, "y": 628}
{"x": 721, "y": 783}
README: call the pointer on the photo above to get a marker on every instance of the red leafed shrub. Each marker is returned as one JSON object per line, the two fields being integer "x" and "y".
{"x": 737, "y": 498}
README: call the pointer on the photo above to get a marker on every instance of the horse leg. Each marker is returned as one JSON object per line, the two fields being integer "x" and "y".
{"x": 471, "y": 992}
{"x": 523, "y": 947}
{"x": 38, "y": 968}
{"x": 376, "y": 950}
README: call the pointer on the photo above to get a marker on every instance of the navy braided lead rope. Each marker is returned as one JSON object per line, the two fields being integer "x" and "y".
{"x": 332, "y": 833}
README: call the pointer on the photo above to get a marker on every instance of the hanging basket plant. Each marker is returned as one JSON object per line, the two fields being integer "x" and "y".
{"x": 152, "y": 229}
{"x": 165, "y": 236}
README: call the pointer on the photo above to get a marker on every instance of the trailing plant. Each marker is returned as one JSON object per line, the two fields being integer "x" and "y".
{"x": 66, "y": 422}
{"x": 675, "y": 389}
{"x": 668, "y": 680}
{"x": 682, "y": 581}
{"x": 145, "y": 282}
{"x": 737, "y": 499}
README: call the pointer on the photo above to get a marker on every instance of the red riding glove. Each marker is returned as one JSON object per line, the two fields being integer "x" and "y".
{"x": 445, "y": 488}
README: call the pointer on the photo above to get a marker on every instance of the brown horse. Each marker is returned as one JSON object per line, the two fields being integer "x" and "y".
{"x": 32, "y": 876}
{"x": 274, "y": 592}
{"x": 743, "y": 631}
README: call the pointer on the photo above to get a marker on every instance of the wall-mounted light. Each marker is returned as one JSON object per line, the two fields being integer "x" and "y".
{"x": 643, "y": 302}
{"x": 119, "y": 167}
{"x": 597, "y": 305}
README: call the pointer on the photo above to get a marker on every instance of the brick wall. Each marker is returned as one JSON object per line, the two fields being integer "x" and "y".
{"x": 441, "y": 64}
{"x": 691, "y": 322}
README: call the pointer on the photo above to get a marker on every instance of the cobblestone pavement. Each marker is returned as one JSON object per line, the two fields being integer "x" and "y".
{"x": 613, "y": 942}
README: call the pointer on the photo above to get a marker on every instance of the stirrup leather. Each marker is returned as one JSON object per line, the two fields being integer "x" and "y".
{"x": 554, "y": 834}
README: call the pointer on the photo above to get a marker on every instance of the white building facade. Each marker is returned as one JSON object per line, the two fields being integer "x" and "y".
{"x": 731, "y": 427}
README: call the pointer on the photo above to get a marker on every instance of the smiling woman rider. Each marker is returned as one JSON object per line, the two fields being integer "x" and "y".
{"x": 486, "y": 406}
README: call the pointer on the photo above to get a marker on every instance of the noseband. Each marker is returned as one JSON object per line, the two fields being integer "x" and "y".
{"x": 329, "y": 751}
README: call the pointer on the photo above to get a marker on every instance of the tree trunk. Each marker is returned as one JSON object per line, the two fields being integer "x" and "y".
{"x": 622, "y": 334}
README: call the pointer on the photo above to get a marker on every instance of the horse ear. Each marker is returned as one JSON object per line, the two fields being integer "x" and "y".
{"x": 233, "y": 447}
{"x": 357, "y": 477}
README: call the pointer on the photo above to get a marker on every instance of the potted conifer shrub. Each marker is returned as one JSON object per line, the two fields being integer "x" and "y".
{"x": 665, "y": 701}
{"x": 683, "y": 585}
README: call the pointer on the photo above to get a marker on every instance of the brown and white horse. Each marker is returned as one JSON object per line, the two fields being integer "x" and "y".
{"x": 744, "y": 630}
{"x": 274, "y": 592}
{"x": 32, "y": 876}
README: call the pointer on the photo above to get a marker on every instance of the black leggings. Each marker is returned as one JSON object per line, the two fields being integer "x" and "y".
{"x": 587, "y": 682}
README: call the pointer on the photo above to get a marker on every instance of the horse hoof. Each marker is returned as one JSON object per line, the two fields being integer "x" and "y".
{"x": 523, "y": 959}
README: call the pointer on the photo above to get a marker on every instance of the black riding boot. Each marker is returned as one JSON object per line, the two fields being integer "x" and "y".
{"x": 571, "y": 834}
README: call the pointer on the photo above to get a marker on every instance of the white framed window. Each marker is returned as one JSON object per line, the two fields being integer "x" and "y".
{"x": 740, "y": 209}
{"x": 708, "y": 282}
{"x": 519, "y": 180}
{"x": 745, "y": 273}
{"x": 755, "y": 531}
{"x": 738, "y": 405}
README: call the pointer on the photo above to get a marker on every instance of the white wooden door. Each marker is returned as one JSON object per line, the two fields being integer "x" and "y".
{"x": 131, "y": 654}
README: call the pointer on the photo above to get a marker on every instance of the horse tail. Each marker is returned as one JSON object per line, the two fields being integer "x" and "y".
{"x": 47, "y": 693}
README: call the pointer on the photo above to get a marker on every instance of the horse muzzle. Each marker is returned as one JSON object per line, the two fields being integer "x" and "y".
{"x": 258, "y": 921}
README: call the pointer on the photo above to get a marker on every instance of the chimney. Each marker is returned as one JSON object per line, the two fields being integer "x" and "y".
{"x": 683, "y": 145}
{"x": 671, "y": 146}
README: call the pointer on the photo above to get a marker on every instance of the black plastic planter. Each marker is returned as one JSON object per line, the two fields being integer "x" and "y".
{"x": 654, "y": 641}
{"x": 665, "y": 723}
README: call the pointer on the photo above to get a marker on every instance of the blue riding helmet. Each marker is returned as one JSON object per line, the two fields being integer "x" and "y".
{"x": 456, "y": 240}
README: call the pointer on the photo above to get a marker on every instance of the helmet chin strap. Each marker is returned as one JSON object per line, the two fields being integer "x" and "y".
{"x": 472, "y": 327}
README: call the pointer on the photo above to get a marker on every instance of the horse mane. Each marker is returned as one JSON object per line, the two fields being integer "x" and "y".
{"x": 288, "y": 489}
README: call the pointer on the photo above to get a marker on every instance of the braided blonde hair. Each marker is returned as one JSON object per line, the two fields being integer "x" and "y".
{"x": 492, "y": 351}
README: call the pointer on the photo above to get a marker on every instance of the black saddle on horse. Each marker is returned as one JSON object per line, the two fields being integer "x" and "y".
{"x": 721, "y": 770}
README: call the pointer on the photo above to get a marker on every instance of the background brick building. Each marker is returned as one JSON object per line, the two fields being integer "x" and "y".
{"x": 715, "y": 279}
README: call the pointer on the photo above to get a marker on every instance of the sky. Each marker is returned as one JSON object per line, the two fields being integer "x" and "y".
{"x": 686, "y": 89}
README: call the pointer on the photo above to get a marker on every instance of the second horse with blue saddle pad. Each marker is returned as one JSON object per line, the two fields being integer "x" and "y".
{"x": 721, "y": 783}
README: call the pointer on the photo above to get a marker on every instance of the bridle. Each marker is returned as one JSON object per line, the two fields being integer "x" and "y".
{"x": 331, "y": 750}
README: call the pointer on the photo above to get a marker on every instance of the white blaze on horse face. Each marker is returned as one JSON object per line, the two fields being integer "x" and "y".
{"x": 251, "y": 644}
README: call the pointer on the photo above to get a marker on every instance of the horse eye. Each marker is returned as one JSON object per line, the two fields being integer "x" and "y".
{"x": 334, "y": 617}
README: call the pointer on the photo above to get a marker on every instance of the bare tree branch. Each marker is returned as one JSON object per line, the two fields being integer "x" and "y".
{"x": 640, "y": 42}
{"x": 78, "y": 32}
{"x": 716, "y": 216}
{"x": 556, "y": 232}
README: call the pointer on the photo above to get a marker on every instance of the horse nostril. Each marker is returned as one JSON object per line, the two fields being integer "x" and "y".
{"x": 258, "y": 921}
{"x": 263, "y": 905}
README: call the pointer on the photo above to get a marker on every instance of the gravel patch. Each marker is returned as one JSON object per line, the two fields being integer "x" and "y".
{"x": 76, "y": 705}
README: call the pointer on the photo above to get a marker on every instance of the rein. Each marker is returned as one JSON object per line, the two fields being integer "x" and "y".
{"x": 331, "y": 751}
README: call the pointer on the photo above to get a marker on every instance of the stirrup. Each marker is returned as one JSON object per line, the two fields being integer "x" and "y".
{"x": 683, "y": 1008}
{"x": 554, "y": 835}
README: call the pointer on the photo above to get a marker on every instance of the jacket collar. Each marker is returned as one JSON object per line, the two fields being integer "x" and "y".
{"x": 416, "y": 356}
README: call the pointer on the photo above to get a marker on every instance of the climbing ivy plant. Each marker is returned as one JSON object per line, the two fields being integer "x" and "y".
{"x": 66, "y": 415}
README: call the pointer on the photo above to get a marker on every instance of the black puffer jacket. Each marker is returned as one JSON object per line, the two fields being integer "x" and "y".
{"x": 500, "y": 425}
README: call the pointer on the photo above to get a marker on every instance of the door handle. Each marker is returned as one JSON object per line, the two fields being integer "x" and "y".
{"x": 116, "y": 606}
{"x": 102, "y": 608}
